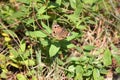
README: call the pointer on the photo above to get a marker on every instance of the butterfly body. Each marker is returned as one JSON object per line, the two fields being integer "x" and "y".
{"x": 59, "y": 32}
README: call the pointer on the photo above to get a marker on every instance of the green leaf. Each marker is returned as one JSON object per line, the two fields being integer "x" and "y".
{"x": 71, "y": 46}
{"x": 10, "y": 32}
{"x": 81, "y": 27}
{"x": 47, "y": 28}
{"x": 90, "y": 22}
{"x": 24, "y": 1}
{"x": 26, "y": 54}
{"x": 72, "y": 18}
{"x": 71, "y": 68}
{"x": 35, "y": 34}
{"x": 73, "y": 3}
{"x": 117, "y": 70}
{"x": 21, "y": 77}
{"x": 79, "y": 69}
{"x": 87, "y": 73}
{"x": 44, "y": 42}
{"x": 14, "y": 53}
{"x": 107, "y": 58}
{"x": 96, "y": 74}
{"x": 34, "y": 78}
{"x": 54, "y": 48}
{"x": 88, "y": 47}
{"x": 2, "y": 58}
{"x": 29, "y": 21}
{"x": 89, "y": 1}
{"x": 43, "y": 17}
{"x": 28, "y": 62}
{"x": 117, "y": 58}
{"x": 18, "y": 14}
{"x": 42, "y": 10}
{"x": 52, "y": 5}
{"x": 60, "y": 62}
{"x": 73, "y": 59}
{"x": 84, "y": 59}
{"x": 3, "y": 74}
{"x": 78, "y": 9}
{"x": 103, "y": 71}
{"x": 59, "y": 2}
{"x": 22, "y": 45}
{"x": 79, "y": 73}
{"x": 72, "y": 36}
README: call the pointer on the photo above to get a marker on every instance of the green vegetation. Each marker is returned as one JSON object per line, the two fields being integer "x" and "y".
{"x": 28, "y": 51}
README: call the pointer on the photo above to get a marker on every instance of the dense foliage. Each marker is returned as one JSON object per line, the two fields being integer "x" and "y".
{"x": 28, "y": 51}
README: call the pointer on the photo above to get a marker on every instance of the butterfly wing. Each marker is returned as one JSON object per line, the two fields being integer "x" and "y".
{"x": 56, "y": 30}
{"x": 59, "y": 32}
{"x": 64, "y": 33}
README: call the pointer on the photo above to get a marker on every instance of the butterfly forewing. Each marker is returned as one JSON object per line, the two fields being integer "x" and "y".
{"x": 56, "y": 30}
{"x": 59, "y": 32}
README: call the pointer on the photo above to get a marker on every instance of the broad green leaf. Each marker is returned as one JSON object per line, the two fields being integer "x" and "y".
{"x": 43, "y": 16}
{"x": 103, "y": 71}
{"x": 79, "y": 69}
{"x": 44, "y": 42}
{"x": 35, "y": 34}
{"x": 107, "y": 58}
{"x": 84, "y": 59}
{"x": 78, "y": 76}
{"x": 73, "y": 4}
{"x": 87, "y": 73}
{"x": 47, "y": 28}
{"x": 71, "y": 68}
{"x": 21, "y": 77}
{"x": 72, "y": 36}
{"x": 96, "y": 74}
{"x": 53, "y": 50}
{"x": 79, "y": 73}
{"x": 88, "y": 47}
{"x": 42, "y": 10}
{"x": 71, "y": 46}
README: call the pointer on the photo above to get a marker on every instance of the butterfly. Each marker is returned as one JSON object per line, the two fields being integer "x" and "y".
{"x": 58, "y": 32}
